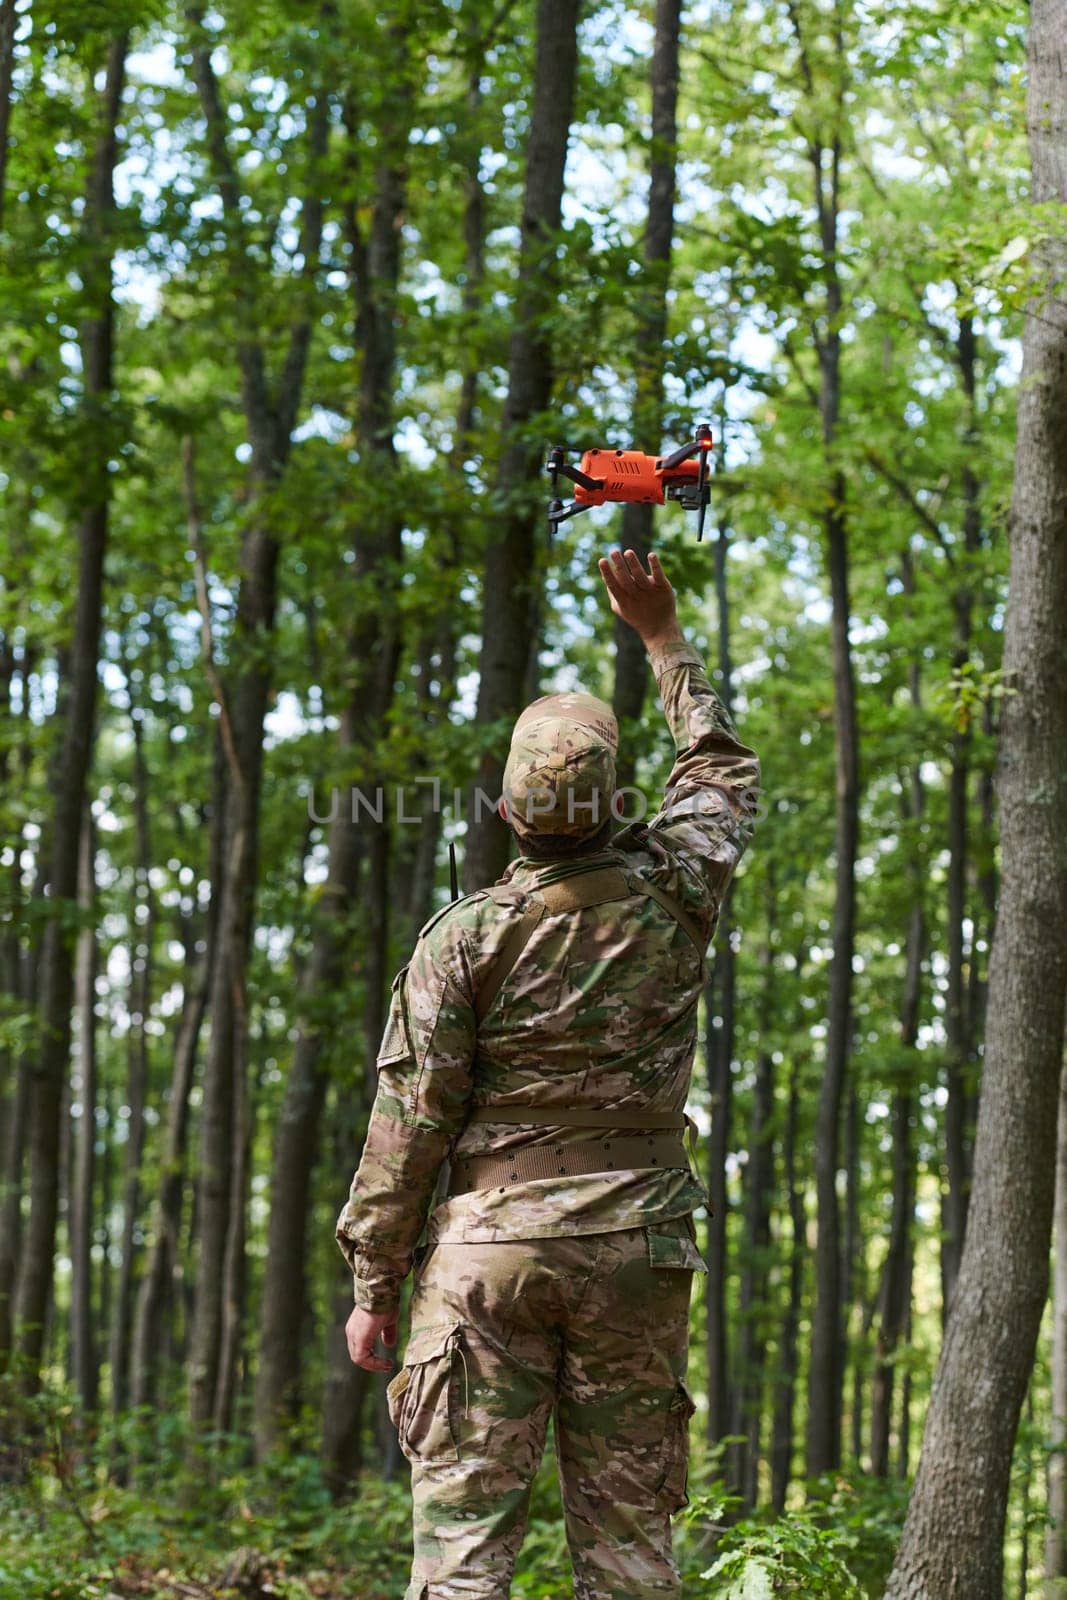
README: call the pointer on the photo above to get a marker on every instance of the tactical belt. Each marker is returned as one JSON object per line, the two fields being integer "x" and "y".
{"x": 611, "y": 1154}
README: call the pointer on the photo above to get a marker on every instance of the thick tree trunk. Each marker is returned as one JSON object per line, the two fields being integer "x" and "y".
{"x": 1056, "y": 1533}
{"x": 511, "y": 561}
{"x": 84, "y": 1370}
{"x": 952, "y": 1545}
{"x": 631, "y": 663}
{"x": 76, "y": 736}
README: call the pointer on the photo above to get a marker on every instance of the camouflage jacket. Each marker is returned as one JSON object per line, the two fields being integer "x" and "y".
{"x": 600, "y": 1012}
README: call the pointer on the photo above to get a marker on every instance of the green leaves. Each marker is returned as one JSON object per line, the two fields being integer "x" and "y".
{"x": 788, "y": 1558}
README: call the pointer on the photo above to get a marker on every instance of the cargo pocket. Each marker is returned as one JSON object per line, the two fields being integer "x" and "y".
{"x": 670, "y": 1244}
{"x": 425, "y": 1397}
{"x": 671, "y": 1495}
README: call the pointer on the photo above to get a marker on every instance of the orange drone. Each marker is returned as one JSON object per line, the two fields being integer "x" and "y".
{"x": 630, "y": 475}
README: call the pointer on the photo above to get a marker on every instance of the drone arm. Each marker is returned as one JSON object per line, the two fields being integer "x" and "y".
{"x": 558, "y": 512}
{"x": 576, "y": 475}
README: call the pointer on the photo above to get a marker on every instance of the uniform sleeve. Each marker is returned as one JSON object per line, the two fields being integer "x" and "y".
{"x": 709, "y": 805}
{"x": 424, "y": 1085}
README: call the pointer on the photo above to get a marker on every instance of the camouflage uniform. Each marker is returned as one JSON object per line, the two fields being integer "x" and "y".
{"x": 564, "y": 1293}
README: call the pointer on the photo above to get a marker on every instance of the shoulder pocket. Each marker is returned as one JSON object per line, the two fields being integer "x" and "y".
{"x": 396, "y": 1042}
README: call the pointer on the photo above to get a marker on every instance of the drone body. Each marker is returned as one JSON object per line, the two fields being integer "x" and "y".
{"x": 632, "y": 476}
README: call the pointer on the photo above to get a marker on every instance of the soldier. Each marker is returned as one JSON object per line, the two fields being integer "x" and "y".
{"x": 540, "y": 1041}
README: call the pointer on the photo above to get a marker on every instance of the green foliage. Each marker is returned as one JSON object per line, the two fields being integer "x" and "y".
{"x": 789, "y": 1557}
{"x": 68, "y": 1528}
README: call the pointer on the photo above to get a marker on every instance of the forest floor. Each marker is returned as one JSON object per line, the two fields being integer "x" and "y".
{"x": 138, "y": 1511}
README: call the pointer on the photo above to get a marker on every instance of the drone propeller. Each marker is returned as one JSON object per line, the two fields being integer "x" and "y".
{"x": 703, "y": 438}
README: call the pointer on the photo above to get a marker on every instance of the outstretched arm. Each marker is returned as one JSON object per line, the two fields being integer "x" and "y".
{"x": 709, "y": 802}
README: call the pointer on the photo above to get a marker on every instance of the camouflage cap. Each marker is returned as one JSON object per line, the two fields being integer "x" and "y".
{"x": 560, "y": 772}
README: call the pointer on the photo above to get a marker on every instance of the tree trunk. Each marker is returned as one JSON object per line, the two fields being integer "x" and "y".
{"x": 1056, "y": 1533}
{"x": 76, "y": 736}
{"x": 952, "y": 1545}
{"x": 958, "y": 1014}
{"x": 511, "y": 561}
{"x": 825, "y": 1376}
{"x": 84, "y": 1368}
{"x": 631, "y": 662}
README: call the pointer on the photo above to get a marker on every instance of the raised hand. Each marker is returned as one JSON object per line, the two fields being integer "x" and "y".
{"x": 643, "y": 599}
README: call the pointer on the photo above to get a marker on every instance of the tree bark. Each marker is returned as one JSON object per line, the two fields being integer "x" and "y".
{"x": 952, "y": 1545}
{"x": 1056, "y": 1533}
{"x": 511, "y": 562}
{"x": 75, "y": 754}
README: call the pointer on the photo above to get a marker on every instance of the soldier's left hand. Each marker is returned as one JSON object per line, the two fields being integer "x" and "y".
{"x": 361, "y": 1330}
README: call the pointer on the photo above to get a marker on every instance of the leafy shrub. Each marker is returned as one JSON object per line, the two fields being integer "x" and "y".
{"x": 788, "y": 1558}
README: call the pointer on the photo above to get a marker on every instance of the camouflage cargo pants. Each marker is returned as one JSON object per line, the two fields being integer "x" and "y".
{"x": 592, "y": 1329}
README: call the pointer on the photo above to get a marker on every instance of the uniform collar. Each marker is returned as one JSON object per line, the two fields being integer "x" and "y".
{"x": 526, "y": 870}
